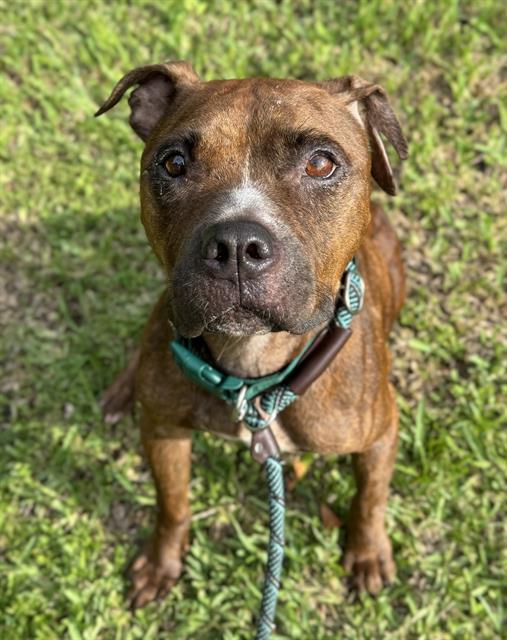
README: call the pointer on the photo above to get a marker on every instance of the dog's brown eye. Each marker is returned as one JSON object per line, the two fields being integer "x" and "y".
{"x": 175, "y": 165}
{"x": 320, "y": 166}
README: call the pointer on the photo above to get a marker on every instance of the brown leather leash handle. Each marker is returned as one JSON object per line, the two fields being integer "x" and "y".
{"x": 318, "y": 358}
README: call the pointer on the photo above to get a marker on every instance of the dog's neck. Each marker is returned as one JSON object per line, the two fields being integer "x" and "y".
{"x": 253, "y": 356}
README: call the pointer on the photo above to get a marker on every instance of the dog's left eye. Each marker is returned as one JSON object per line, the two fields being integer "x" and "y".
{"x": 320, "y": 165}
{"x": 175, "y": 165}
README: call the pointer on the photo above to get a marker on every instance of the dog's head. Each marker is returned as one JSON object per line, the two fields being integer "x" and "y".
{"x": 255, "y": 193}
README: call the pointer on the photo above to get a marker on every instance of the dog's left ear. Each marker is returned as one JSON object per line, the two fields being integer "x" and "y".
{"x": 368, "y": 103}
{"x": 158, "y": 84}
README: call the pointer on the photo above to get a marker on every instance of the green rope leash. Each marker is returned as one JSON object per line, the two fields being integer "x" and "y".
{"x": 274, "y": 478}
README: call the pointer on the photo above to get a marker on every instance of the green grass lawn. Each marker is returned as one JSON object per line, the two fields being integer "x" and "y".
{"x": 78, "y": 279}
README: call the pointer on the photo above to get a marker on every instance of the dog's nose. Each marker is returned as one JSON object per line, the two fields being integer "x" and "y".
{"x": 237, "y": 248}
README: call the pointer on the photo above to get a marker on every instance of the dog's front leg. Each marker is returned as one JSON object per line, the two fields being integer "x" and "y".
{"x": 368, "y": 552}
{"x": 157, "y": 568}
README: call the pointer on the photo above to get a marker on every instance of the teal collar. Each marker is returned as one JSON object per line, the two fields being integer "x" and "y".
{"x": 225, "y": 385}
{"x": 241, "y": 392}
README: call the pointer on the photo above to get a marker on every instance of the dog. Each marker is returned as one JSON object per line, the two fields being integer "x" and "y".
{"x": 255, "y": 196}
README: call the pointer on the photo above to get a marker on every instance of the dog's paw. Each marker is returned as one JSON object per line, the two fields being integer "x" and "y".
{"x": 152, "y": 579}
{"x": 371, "y": 567}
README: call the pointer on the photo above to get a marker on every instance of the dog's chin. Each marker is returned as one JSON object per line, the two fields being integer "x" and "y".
{"x": 241, "y": 322}
{"x": 237, "y": 321}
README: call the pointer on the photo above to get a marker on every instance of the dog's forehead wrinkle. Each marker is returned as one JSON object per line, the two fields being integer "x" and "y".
{"x": 235, "y": 117}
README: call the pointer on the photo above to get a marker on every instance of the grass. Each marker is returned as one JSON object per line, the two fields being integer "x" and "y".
{"x": 78, "y": 280}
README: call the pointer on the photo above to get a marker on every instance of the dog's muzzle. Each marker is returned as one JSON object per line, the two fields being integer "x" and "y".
{"x": 241, "y": 277}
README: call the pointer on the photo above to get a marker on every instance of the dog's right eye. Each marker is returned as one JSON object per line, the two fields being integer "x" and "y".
{"x": 175, "y": 165}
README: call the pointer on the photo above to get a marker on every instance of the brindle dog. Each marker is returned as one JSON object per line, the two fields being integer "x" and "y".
{"x": 255, "y": 195}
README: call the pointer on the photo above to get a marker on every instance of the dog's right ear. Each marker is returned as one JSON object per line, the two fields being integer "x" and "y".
{"x": 158, "y": 83}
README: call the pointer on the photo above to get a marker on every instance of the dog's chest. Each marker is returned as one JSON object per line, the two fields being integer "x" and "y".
{"x": 319, "y": 423}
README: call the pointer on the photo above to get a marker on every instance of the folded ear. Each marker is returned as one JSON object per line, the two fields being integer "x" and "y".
{"x": 158, "y": 83}
{"x": 369, "y": 104}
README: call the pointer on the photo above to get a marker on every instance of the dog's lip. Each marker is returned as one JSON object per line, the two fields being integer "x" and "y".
{"x": 236, "y": 333}
{"x": 227, "y": 323}
{"x": 251, "y": 321}
{"x": 238, "y": 320}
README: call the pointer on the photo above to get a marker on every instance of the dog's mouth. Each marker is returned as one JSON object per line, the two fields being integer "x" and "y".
{"x": 240, "y": 321}
{"x": 234, "y": 319}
